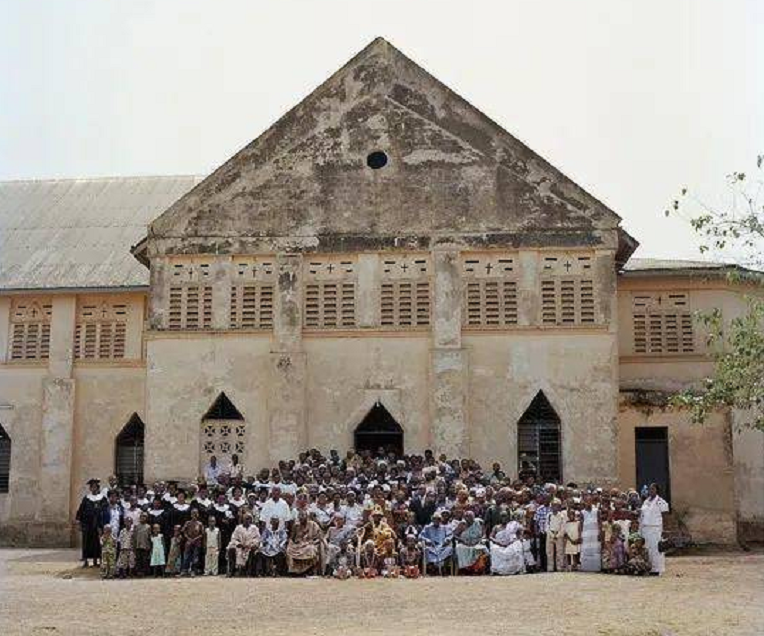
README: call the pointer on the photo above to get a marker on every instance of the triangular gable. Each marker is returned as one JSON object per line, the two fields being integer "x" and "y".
{"x": 450, "y": 169}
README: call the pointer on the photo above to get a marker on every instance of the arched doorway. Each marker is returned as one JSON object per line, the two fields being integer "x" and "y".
{"x": 5, "y": 460}
{"x": 379, "y": 430}
{"x": 128, "y": 456}
{"x": 223, "y": 434}
{"x": 538, "y": 440}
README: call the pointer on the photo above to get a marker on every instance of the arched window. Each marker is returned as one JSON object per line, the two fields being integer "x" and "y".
{"x": 224, "y": 433}
{"x": 538, "y": 440}
{"x": 129, "y": 452}
{"x": 379, "y": 430}
{"x": 5, "y": 460}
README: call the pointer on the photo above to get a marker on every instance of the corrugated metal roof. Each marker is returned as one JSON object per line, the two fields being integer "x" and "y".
{"x": 77, "y": 233}
{"x": 654, "y": 264}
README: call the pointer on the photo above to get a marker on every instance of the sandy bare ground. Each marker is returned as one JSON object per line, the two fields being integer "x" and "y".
{"x": 41, "y": 592}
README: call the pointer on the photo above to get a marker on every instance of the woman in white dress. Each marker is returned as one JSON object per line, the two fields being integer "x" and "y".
{"x": 507, "y": 548}
{"x": 651, "y": 528}
{"x": 591, "y": 549}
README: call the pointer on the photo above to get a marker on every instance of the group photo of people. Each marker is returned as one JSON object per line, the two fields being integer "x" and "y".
{"x": 368, "y": 515}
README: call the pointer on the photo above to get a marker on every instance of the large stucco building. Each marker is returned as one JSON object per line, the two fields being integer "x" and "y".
{"x": 384, "y": 263}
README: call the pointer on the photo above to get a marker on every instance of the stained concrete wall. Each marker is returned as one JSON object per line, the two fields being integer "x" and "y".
{"x": 107, "y": 396}
{"x": 59, "y": 413}
{"x": 575, "y": 372}
{"x": 185, "y": 374}
{"x": 346, "y": 376}
{"x": 702, "y": 470}
{"x": 663, "y": 375}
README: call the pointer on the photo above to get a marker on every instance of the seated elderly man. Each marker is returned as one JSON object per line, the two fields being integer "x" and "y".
{"x": 303, "y": 552}
{"x": 437, "y": 543}
{"x": 243, "y": 546}
{"x": 471, "y": 551}
{"x": 271, "y": 558}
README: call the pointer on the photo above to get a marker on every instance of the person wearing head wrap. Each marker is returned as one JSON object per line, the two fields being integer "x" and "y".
{"x": 91, "y": 515}
{"x": 471, "y": 551}
{"x": 507, "y": 547}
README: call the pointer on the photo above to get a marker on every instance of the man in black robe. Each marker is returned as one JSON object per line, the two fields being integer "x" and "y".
{"x": 90, "y": 516}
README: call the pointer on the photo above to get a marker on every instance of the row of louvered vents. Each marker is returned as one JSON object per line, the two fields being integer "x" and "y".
{"x": 92, "y": 339}
{"x": 403, "y": 303}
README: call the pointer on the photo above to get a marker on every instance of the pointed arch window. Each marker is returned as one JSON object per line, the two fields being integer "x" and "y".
{"x": 538, "y": 440}
{"x": 379, "y": 429}
{"x": 129, "y": 452}
{"x": 5, "y": 460}
{"x": 224, "y": 433}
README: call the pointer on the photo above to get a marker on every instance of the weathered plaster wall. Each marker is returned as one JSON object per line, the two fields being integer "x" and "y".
{"x": 185, "y": 373}
{"x": 748, "y": 448}
{"x": 346, "y": 376}
{"x": 669, "y": 374}
{"x": 575, "y": 372}
{"x": 21, "y": 390}
{"x": 701, "y": 467}
{"x": 107, "y": 395}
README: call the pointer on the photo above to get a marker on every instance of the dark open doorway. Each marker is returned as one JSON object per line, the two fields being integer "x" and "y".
{"x": 652, "y": 458}
{"x": 129, "y": 452}
{"x": 538, "y": 440}
{"x": 379, "y": 430}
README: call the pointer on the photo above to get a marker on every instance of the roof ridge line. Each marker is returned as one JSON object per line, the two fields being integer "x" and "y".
{"x": 104, "y": 178}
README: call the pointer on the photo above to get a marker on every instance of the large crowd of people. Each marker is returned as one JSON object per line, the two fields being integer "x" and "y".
{"x": 368, "y": 515}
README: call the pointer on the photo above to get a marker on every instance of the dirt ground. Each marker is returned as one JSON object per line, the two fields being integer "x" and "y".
{"x": 43, "y": 592}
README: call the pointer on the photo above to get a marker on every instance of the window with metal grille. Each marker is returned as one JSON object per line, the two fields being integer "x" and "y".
{"x": 490, "y": 291}
{"x": 329, "y": 295}
{"x": 662, "y": 323}
{"x": 538, "y": 440}
{"x": 5, "y": 460}
{"x": 223, "y": 433}
{"x": 100, "y": 331}
{"x": 30, "y": 330}
{"x": 128, "y": 455}
{"x": 567, "y": 291}
{"x": 405, "y": 292}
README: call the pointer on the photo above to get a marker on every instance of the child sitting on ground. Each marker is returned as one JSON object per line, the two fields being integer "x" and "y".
{"x": 411, "y": 558}
{"x": 368, "y": 567}
{"x": 638, "y": 563}
{"x": 389, "y": 560}
{"x": 342, "y": 568}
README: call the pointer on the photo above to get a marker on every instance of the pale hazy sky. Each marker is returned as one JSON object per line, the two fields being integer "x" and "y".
{"x": 633, "y": 100}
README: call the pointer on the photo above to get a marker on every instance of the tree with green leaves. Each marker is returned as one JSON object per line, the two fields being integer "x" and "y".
{"x": 737, "y": 346}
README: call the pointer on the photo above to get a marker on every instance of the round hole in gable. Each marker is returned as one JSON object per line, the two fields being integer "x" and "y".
{"x": 376, "y": 160}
